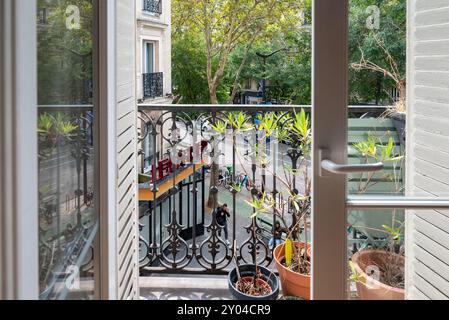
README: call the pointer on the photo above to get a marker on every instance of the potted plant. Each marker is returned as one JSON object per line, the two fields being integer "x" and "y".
{"x": 247, "y": 281}
{"x": 292, "y": 257}
{"x": 252, "y": 282}
{"x": 379, "y": 271}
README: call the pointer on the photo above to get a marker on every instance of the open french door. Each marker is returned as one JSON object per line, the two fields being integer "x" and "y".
{"x": 399, "y": 191}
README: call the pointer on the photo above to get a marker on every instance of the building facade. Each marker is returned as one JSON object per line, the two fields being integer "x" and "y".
{"x": 153, "y": 51}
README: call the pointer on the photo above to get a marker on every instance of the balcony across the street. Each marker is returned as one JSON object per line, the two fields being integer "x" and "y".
{"x": 153, "y": 6}
{"x": 153, "y": 85}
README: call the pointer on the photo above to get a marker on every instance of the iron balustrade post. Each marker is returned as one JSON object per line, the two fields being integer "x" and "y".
{"x": 154, "y": 246}
{"x": 234, "y": 191}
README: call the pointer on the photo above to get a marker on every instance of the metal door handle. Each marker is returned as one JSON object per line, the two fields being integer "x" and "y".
{"x": 333, "y": 167}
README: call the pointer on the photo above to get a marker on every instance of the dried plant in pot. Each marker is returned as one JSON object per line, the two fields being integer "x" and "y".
{"x": 379, "y": 273}
{"x": 253, "y": 282}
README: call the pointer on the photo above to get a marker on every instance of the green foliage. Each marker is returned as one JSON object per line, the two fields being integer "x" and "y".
{"x": 57, "y": 125}
{"x": 288, "y": 73}
{"x": 395, "y": 233}
{"x": 189, "y": 76}
{"x": 373, "y": 148}
{"x": 354, "y": 275}
{"x": 223, "y": 27}
{"x": 240, "y": 121}
{"x": 65, "y": 56}
{"x": 367, "y": 86}
{"x": 262, "y": 205}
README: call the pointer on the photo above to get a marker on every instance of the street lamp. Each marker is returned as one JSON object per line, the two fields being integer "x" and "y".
{"x": 265, "y": 57}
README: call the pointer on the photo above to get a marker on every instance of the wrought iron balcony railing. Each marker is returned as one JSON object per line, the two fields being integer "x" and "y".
{"x": 227, "y": 156}
{"x": 153, "y": 85}
{"x": 153, "y": 6}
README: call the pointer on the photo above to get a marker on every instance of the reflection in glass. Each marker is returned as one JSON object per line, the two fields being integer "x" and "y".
{"x": 376, "y": 133}
{"x": 67, "y": 212}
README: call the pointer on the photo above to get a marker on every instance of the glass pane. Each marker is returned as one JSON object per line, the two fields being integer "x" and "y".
{"x": 149, "y": 57}
{"x": 377, "y": 115}
{"x": 376, "y": 249}
{"x": 68, "y": 217}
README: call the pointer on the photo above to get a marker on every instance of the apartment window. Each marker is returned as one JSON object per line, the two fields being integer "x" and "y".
{"x": 153, "y": 81}
{"x": 149, "y": 57}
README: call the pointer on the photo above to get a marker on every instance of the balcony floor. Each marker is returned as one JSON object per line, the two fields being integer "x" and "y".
{"x": 184, "y": 287}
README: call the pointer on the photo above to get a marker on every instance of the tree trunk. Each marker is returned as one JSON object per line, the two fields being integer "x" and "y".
{"x": 213, "y": 94}
{"x": 212, "y": 201}
{"x": 239, "y": 72}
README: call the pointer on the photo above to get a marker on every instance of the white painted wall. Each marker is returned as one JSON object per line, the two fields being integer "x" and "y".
{"x": 427, "y": 233}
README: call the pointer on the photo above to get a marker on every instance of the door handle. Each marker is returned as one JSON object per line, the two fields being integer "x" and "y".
{"x": 332, "y": 167}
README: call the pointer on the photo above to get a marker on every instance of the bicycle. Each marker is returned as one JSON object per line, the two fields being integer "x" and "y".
{"x": 245, "y": 181}
{"x": 225, "y": 177}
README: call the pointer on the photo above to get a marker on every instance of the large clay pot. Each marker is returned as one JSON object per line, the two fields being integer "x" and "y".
{"x": 369, "y": 288}
{"x": 292, "y": 283}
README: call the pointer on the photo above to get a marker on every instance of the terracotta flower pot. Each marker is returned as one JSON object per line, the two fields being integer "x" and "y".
{"x": 370, "y": 288}
{"x": 292, "y": 283}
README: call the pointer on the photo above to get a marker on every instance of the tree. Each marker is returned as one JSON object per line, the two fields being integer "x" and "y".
{"x": 189, "y": 79}
{"x": 377, "y": 50}
{"x": 225, "y": 24}
{"x": 288, "y": 72}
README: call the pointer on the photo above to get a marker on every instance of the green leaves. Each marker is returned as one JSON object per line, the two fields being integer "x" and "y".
{"x": 268, "y": 123}
{"x": 301, "y": 127}
{"x": 55, "y": 125}
{"x": 395, "y": 233}
{"x": 260, "y": 206}
{"x": 237, "y": 187}
{"x": 63, "y": 126}
{"x": 45, "y": 123}
{"x": 373, "y": 148}
{"x": 355, "y": 276}
{"x": 367, "y": 148}
{"x": 240, "y": 121}
{"x": 220, "y": 127}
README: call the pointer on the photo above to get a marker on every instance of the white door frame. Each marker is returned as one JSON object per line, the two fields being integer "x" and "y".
{"x": 330, "y": 201}
{"x": 19, "y": 260}
{"x": 107, "y": 150}
{"x": 329, "y": 123}
{"x": 18, "y": 147}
